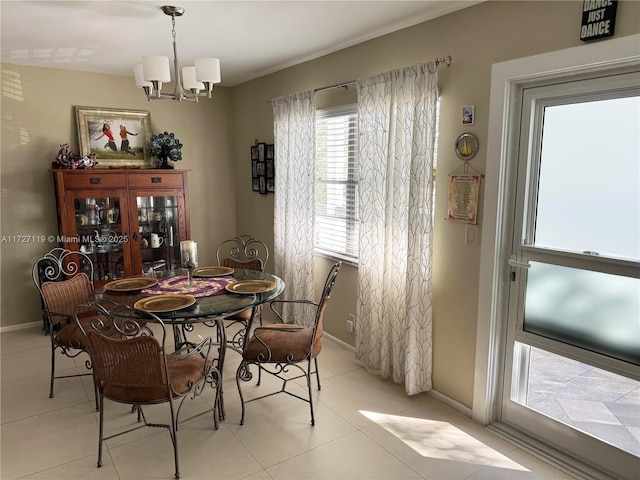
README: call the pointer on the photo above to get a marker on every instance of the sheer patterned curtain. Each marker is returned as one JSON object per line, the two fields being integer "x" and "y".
{"x": 294, "y": 119}
{"x": 397, "y": 122}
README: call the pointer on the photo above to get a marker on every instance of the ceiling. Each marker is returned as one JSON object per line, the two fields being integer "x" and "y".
{"x": 251, "y": 38}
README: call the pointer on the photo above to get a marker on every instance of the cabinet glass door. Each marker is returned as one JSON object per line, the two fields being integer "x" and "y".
{"x": 159, "y": 232}
{"x": 100, "y": 234}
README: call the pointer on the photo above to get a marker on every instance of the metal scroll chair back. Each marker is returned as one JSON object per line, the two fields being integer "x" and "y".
{"x": 136, "y": 369}
{"x": 248, "y": 253}
{"x": 275, "y": 348}
{"x": 63, "y": 279}
{"x": 244, "y": 252}
{"x": 56, "y": 265}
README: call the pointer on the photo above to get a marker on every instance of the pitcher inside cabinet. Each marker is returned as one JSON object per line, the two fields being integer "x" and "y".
{"x": 158, "y": 232}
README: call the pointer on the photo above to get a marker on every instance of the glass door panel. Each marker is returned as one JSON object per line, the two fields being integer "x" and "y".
{"x": 572, "y": 366}
{"x": 590, "y": 178}
{"x": 100, "y": 234}
{"x": 594, "y": 401}
{"x": 159, "y": 232}
{"x": 596, "y": 311}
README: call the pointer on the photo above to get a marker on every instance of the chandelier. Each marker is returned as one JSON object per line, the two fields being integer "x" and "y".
{"x": 197, "y": 81}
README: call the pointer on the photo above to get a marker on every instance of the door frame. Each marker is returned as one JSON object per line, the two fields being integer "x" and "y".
{"x": 507, "y": 80}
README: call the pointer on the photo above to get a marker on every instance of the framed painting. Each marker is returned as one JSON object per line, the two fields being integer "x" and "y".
{"x": 119, "y": 138}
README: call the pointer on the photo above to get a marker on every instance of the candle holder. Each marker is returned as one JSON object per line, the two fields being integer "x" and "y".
{"x": 189, "y": 258}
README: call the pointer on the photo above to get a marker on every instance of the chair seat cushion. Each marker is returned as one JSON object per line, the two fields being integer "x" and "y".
{"x": 70, "y": 334}
{"x": 186, "y": 372}
{"x": 282, "y": 344}
{"x": 242, "y": 316}
{"x": 183, "y": 374}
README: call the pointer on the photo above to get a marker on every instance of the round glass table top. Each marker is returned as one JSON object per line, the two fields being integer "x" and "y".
{"x": 223, "y": 303}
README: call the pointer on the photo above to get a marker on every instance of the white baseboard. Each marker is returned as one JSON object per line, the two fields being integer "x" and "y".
{"x": 339, "y": 342}
{"x": 450, "y": 402}
{"x": 22, "y": 326}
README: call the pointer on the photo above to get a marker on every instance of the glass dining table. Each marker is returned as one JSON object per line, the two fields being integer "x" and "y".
{"x": 208, "y": 300}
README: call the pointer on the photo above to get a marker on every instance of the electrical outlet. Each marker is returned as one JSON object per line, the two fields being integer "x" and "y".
{"x": 350, "y": 321}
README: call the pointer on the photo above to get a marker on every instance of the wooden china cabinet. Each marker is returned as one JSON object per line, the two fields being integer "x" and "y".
{"x": 128, "y": 221}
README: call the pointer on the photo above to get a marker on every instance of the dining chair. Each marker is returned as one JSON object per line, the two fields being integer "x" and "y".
{"x": 136, "y": 369}
{"x": 275, "y": 348}
{"x": 243, "y": 252}
{"x": 63, "y": 278}
{"x": 248, "y": 253}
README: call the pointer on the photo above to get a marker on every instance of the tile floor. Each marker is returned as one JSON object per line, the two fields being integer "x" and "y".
{"x": 366, "y": 428}
{"x": 592, "y": 400}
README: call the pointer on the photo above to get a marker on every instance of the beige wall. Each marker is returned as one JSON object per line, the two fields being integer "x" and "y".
{"x": 37, "y": 116}
{"x": 476, "y": 38}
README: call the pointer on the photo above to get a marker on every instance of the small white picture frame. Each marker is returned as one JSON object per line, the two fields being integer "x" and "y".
{"x": 468, "y": 115}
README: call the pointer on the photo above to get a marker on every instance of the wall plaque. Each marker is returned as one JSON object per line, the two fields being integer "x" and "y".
{"x": 464, "y": 191}
{"x": 598, "y": 19}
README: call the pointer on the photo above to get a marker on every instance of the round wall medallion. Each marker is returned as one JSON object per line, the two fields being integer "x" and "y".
{"x": 467, "y": 146}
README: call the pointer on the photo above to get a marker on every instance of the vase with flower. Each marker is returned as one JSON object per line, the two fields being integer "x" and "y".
{"x": 165, "y": 147}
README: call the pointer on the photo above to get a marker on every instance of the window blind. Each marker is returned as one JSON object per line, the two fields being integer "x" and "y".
{"x": 336, "y": 201}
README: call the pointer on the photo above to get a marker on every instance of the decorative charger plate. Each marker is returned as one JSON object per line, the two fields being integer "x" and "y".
{"x": 165, "y": 303}
{"x": 250, "y": 286}
{"x": 212, "y": 271}
{"x": 131, "y": 284}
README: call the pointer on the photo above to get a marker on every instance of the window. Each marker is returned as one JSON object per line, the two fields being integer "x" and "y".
{"x": 336, "y": 220}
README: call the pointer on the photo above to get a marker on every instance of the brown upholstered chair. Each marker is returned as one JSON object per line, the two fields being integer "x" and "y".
{"x": 247, "y": 253}
{"x": 63, "y": 278}
{"x": 275, "y": 348}
{"x": 136, "y": 369}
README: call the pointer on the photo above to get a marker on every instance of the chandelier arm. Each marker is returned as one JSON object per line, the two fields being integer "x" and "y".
{"x": 172, "y": 96}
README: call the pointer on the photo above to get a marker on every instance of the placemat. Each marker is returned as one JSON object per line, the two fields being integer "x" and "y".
{"x": 202, "y": 287}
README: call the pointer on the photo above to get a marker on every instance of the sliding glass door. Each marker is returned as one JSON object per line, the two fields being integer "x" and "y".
{"x": 573, "y": 342}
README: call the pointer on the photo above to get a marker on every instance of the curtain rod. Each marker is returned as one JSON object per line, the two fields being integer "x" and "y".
{"x": 438, "y": 61}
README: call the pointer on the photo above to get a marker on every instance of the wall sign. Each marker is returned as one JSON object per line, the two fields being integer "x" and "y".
{"x": 464, "y": 191}
{"x": 598, "y": 19}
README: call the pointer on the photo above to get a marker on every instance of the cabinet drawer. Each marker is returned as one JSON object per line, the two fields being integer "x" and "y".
{"x": 94, "y": 179}
{"x": 158, "y": 179}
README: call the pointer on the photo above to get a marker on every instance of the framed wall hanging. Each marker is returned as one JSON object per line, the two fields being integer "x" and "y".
{"x": 468, "y": 115}
{"x": 467, "y": 146}
{"x": 119, "y": 138}
{"x": 263, "y": 168}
